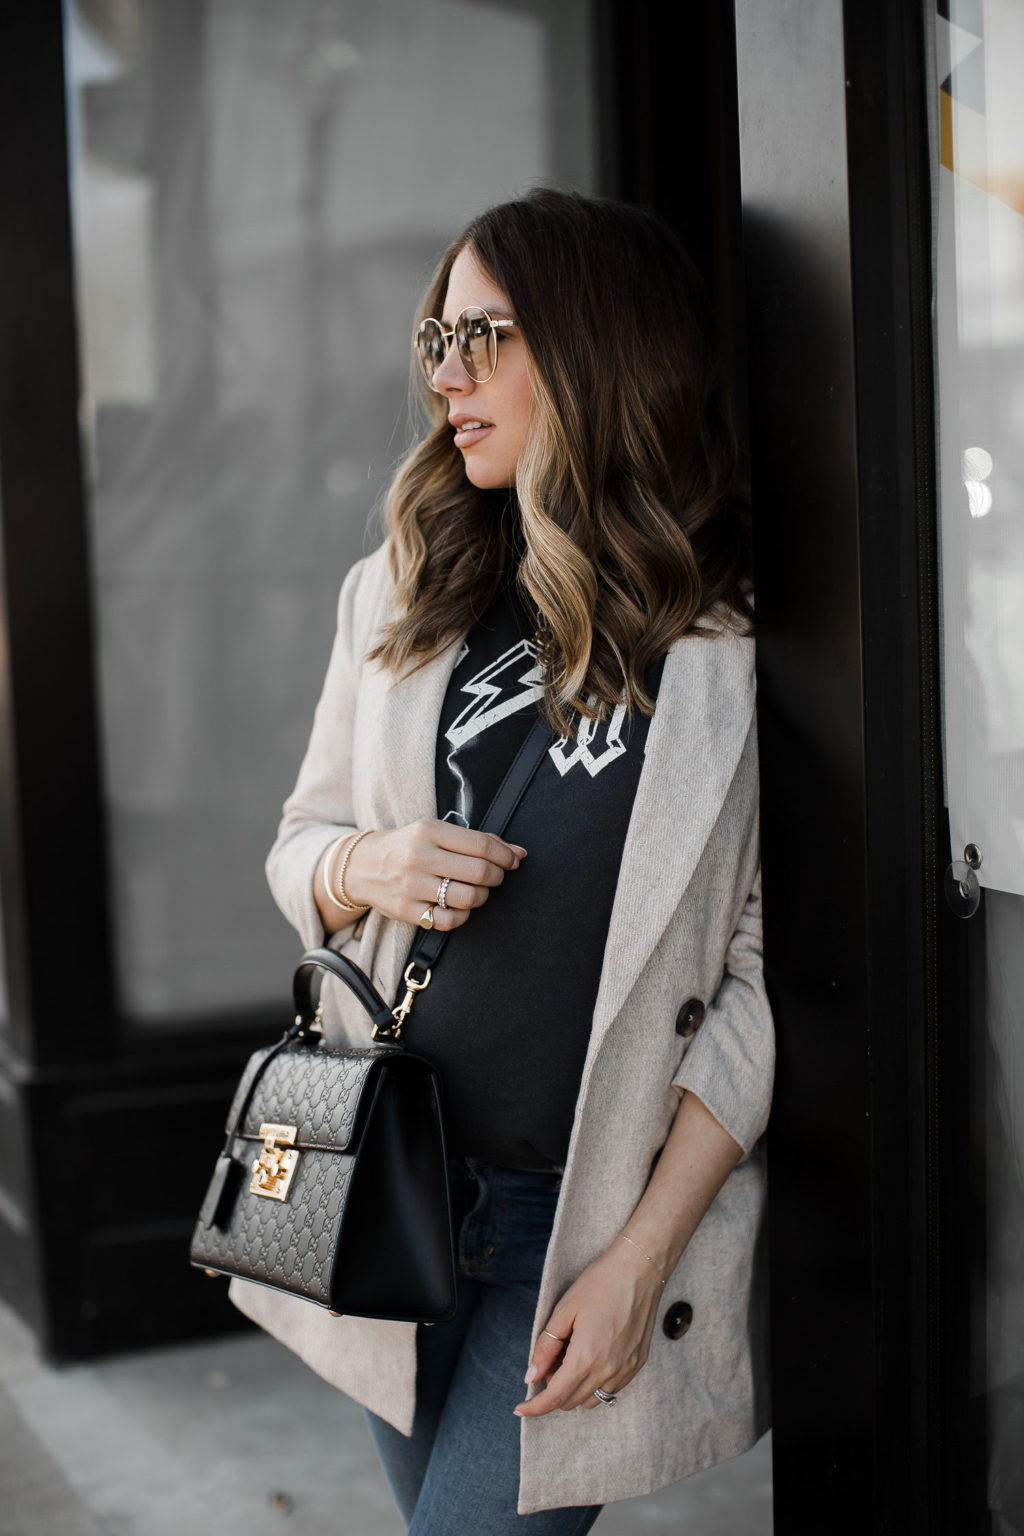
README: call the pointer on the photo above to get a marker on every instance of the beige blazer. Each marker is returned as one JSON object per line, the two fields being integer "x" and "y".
{"x": 685, "y": 925}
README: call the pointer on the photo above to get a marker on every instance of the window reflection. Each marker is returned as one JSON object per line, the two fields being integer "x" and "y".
{"x": 259, "y": 190}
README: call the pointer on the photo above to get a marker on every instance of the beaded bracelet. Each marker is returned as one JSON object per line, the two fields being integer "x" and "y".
{"x": 330, "y": 859}
{"x": 343, "y": 897}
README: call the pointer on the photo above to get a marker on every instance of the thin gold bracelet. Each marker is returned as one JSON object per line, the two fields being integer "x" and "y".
{"x": 624, "y": 1239}
{"x": 329, "y": 861}
{"x": 343, "y": 896}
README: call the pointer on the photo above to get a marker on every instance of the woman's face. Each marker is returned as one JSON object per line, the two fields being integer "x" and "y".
{"x": 490, "y": 420}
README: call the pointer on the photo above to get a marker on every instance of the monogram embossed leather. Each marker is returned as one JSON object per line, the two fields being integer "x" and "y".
{"x": 365, "y": 1227}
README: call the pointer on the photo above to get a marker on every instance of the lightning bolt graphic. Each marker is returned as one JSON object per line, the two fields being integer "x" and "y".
{"x": 487, "y": 688}
{"x": 508, "y": 685}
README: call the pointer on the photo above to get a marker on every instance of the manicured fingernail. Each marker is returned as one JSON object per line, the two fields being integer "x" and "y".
{"x": 531, "y": 1375}
{"x": 515, "y": 863}
{"x": 518, "y": 1412}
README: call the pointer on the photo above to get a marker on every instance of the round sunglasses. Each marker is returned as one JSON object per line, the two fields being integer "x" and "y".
{"x": 476, "y": 338}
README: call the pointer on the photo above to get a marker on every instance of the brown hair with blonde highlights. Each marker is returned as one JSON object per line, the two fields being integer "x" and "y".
{"x": 625, "y": 526}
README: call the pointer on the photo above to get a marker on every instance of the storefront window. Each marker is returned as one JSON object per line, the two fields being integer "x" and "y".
{"x": 259, "y": 192}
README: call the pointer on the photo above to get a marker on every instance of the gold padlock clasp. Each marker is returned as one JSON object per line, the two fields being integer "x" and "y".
{"x": 274, "y": 1169}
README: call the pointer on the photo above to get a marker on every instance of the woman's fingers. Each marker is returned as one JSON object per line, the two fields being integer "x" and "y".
{"x": 571, "y": 1385}
{"x": 460, "y": 896}
{"x": 609, "y": 1380}
{"x": 561, "y": 1390}
{"x": 444, "y": 920}
{"x": 399, "y": 871}
{"x": 479, "y": 848}
{"x": 546, "y": 1353}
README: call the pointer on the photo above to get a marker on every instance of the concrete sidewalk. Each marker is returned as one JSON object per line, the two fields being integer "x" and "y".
{"x": 238, "y": 1438}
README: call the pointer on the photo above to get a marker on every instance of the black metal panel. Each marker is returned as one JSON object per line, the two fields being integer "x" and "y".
{"x": 120, "y": 1161}
{"x": 668, "y": 134}
{"x": 51, "y": 825}
{"x": 890, "y": 238}
{"x": 804, "y": 485}
{"x": 836, "y": 236}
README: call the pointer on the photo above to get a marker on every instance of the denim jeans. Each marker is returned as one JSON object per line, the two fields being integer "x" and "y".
{"x": 458, "y": 1474}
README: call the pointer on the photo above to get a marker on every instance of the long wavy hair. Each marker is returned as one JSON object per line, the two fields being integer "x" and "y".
{"x": 625, "y": 527}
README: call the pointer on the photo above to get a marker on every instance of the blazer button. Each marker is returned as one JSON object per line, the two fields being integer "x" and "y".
{"x": 677, "y": 1319}
{"x": 689, "y": 1018}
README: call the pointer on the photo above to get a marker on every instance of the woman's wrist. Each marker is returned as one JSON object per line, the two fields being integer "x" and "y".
{"x": 356, "y": 868}
{"x": 344, "y": 896}
{"x": 658, "y": 1273}
{"x": 335, "y": 861}
{"x": 331, "y": 886}
{"x": 697, "y": 1158}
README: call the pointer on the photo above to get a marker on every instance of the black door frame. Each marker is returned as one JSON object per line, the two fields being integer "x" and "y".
{"x": 866, "y": 1172}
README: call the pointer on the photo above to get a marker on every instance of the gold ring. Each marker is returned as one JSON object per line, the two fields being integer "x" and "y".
{"x": 552, "y": 1335}
{"x": 427, "y": 917}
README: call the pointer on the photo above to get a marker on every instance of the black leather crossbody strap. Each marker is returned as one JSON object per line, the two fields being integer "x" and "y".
{"x": 426, "y": 951}
{"x": 427, "y": 948}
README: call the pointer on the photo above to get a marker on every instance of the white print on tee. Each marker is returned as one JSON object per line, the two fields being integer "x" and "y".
{"x": 510, "y": 684}
{"x": 585, "y": 733}
{"x": 504, "y": 687}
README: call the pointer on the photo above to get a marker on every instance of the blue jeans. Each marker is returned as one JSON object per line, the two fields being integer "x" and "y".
{"x": 458, "y": 1474}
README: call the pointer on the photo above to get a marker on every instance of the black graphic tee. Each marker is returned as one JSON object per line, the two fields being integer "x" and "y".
{"x": 507, "y": 1015}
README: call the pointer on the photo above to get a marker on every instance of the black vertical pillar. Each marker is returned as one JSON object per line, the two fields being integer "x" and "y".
{"x": 51, "y": 837}
{"x": 835, "y": 234}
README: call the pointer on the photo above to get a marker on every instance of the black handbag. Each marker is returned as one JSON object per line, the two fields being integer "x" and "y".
{"x": 332, "y": 1183}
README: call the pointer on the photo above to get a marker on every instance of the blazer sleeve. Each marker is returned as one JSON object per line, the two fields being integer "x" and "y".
{"x": 730, "y": 1063}
{"x": 319, "y": 809}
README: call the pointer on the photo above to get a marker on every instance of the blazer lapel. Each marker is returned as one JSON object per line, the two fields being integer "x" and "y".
{"x": 401, "y": 720}
{"x": 410, "y": 711}
{"x": 703, "y": 714}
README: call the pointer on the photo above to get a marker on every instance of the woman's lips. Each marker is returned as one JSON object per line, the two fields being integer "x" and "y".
{"x": 466, "y": 434}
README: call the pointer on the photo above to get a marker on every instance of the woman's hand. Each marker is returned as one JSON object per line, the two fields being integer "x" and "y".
{"x": 398, "y": 871}
{"x": 606, "y": 1317}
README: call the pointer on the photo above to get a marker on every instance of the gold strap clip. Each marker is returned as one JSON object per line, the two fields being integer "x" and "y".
{"x": 412, "y": 986}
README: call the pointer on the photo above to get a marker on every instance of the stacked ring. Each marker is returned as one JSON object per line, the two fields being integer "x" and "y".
{"x": 442, "y": 892}
{"x": 604, "y": 1397}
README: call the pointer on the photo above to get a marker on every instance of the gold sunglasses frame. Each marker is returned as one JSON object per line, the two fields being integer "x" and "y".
{"x": 448, "y": 337}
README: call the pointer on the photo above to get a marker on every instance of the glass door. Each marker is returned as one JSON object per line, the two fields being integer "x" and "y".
{"x": 978, "y": 169}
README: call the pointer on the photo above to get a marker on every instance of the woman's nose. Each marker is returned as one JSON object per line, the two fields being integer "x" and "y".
{"x": 451, "y": 377}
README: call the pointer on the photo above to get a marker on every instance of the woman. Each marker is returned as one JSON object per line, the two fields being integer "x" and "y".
{"x": 566, "y": 537}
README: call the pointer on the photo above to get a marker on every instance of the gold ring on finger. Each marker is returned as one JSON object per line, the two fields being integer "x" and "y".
{"x": 442, "y": 893}
{"x": 427, "y": 917}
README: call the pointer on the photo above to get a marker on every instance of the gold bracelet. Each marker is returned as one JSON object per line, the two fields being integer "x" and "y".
{"x": 343, "y": 896}
{"x": 624, "y": 1239}
{"x": 329, "y": 860}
